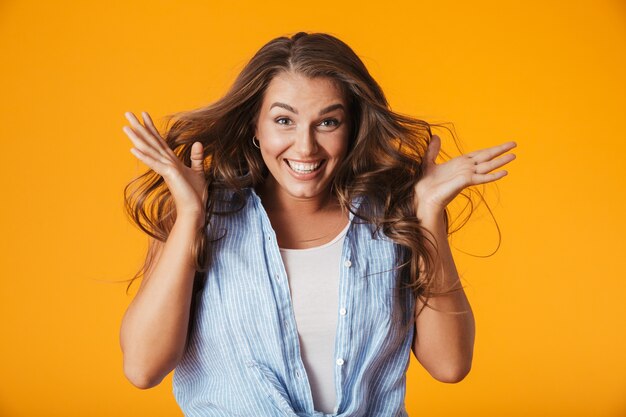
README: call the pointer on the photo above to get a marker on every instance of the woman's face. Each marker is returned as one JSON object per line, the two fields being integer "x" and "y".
{"x": 302, "y": 130}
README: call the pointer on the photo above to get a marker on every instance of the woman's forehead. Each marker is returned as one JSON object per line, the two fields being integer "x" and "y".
{"x": 297, "y": 87}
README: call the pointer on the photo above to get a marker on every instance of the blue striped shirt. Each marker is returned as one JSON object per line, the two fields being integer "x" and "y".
{"x": 243, "y": 357}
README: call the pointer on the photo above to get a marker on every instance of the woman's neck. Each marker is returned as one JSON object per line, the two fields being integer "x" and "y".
{"x": 275, "y": 199}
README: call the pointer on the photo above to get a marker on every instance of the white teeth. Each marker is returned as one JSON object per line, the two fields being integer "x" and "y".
{"x": 303, "y": 168}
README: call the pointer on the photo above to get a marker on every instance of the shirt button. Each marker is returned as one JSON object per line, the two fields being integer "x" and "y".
{"x": 347, "y": 263}
{"x": 298, "y": 374}
{"x": 277, "y": 277}
{"x": 339, "y": 361}
{"x": 343, "y": 311}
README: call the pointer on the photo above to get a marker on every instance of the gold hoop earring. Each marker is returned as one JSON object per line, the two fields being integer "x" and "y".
{"x": 255, "y": 143}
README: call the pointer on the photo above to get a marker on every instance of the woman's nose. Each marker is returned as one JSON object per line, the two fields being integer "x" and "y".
{"x": 305, "y": 143}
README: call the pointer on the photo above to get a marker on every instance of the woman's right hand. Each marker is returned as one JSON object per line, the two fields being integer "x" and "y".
{"x": 187, "y": 185}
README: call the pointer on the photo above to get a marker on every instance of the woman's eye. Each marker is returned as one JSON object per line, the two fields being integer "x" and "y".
{"x": 282, "y": 118}
{"x": 334, "y": 122}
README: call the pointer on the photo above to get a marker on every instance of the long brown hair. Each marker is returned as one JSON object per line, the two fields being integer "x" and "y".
{"x": 383, "y": 163}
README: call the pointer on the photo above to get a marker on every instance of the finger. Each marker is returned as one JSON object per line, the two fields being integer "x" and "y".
{"x": 486, "y": 154}
{"x": 197, "y": 157}
{"x": 151, "y": 162}
{"x": 485, "y": 178}
{"x": 141, "y": 143}
{"x": 147, "y": 120}
{"x": 489, "y": 166}
{"x": 147, "y": 135}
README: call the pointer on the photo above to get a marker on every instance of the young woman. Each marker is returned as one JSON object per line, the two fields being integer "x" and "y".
{"x": 298, "y": 248}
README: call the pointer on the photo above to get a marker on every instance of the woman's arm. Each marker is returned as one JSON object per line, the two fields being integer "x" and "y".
{"x": 444, "y": 343}
{"x": 154, "y": 329}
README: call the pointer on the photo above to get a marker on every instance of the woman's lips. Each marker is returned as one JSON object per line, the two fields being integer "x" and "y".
{"x": 304, "y": 170}
{"x": 304, "y": 167}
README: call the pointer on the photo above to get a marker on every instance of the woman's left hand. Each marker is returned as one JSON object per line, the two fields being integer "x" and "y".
{"x": 440, "y": 183}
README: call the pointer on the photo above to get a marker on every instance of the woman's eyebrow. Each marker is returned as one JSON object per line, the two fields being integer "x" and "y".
{"x": 331, "y": 108}
{"x": 323, "y": 111}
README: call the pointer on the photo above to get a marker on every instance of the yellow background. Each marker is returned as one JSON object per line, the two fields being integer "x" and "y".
{"x": 550, "y": 304}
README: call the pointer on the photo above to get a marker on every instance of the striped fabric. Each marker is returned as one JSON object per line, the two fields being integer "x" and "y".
{"x": 243, "y": 358}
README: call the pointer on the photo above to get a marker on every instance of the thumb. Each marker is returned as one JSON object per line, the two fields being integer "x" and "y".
{"x": 197, "y": 157}
{"x": 433, "y": 149}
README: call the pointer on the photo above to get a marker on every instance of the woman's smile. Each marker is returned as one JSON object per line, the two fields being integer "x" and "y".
{"x": 304, "y": 167}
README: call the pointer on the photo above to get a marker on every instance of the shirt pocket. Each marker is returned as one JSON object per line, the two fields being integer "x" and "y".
{"x": 380, "y": 280}
{"x": 384, "y": 272}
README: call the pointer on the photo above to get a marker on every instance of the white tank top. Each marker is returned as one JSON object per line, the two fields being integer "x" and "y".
{"x": 313, "y": 276}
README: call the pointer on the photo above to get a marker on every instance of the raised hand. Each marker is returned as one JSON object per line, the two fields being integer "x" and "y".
{"x": 187, "y": 185}
{"x": 440, "y": 183}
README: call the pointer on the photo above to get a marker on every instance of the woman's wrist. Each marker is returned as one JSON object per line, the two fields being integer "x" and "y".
{"x": 193, "y": 216}
{"x": 427, "y": 214}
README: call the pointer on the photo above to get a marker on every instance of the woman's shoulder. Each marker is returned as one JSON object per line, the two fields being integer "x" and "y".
{"x": 229, "y": 199}
{"x": 366, "y": 214}
{"x": 228, "y": 188}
